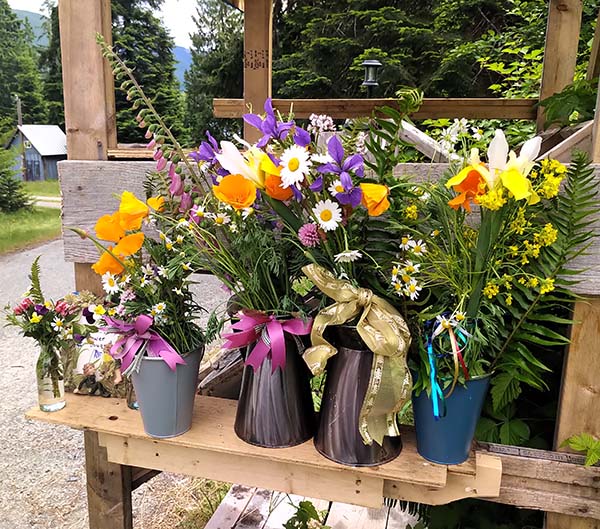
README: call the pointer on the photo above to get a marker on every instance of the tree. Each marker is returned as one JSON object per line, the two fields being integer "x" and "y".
{"x": 216, "y": 70}
{"x": 51, "y": 67}
{"x": 12, "y": 194}
{"x": 142, "y": 41}
{"x": 18, "y": 72}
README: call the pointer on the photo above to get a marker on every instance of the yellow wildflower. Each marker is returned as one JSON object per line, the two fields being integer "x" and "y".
{"x": 491, "y": 290}
{"x": 493, "y": 199}
{"x": 550, "y": 186}
{"x": 509, "y": 299}
{"x": 547, "y": 285}
{"x": 35, "y": 318}
{"x": 411, "y": 212}
{"x": 520, "y": 223}
{"x": 547, "y": 236}
{"x": 514, "y": 250}
{"x": 533, "y": 282}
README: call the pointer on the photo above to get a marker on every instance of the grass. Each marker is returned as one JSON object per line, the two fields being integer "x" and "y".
{"x": 23, "y": 228}
{"x": 45, "y": 188}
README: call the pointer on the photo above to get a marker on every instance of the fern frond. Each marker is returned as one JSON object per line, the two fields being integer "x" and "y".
{"x": 35, "y": 289}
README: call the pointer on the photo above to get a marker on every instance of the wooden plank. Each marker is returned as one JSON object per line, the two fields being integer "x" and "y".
{"x": 108, "y": 488}
{"x": 273, "y": 473}
{"x": 139, "y": 476}
{"x": 232, "y": 507}
{"x": 110, "y": 108}
{"x": 593, "y": 69}
{"x": 87, "y": 279}
{"x": 85, "y": 81}
{"x": 342, "y": 516}
{"x": 578, "y": 407}
{"x": 581, "y": 140}
{"x": 432, "y": 108}
{"x": 213, "y": 431}
{"x": 258, "y": 57}
{"x": 560, "y": 54}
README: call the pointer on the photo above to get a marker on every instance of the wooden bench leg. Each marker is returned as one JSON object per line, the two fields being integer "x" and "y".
{"x": 109, "y": 488}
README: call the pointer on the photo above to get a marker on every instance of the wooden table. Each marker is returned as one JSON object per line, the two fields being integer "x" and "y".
{"x": 120, "y": 456}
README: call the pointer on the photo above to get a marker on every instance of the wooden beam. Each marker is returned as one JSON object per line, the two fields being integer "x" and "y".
{"x": 108, "y": 488}
{"x": 560, "y": 54}
{"x": 432, "y": 108}
{"x": 594, "y": 64}
{"x": 258, "y": 56}
{"x": 578, "y": 406}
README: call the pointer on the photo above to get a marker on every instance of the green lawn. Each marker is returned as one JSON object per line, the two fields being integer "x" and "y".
{"x": 25, "y": 228}
{"x": 45, "y": 188}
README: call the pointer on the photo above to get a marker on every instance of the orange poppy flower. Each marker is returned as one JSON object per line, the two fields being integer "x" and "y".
{"x": 157, "y": 203}
{"x": 274, "y": 190}
{"x": 108, "y": 227}
{"x": 374, "y": 198}
{"x": 107, "y": 263}
{"x": 129, "y": 244}
{"x": 132, "y": 211}
{"x": 236, "y": 191}
{"x": 471, "y": 185}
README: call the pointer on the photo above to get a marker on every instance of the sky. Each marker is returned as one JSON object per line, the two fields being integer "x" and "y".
{"x": 177, "y": 15}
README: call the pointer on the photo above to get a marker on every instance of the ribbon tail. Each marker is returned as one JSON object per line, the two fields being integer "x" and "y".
{"x": 276, "y": 337}
{"x": 258, "y": 354}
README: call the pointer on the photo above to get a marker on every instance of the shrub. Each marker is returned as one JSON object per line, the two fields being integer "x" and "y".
{"x": 12, "y": 194}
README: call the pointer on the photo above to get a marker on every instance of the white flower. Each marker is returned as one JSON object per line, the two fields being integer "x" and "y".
{"x": 186, "y": 266}
{"x": 157, "y": 309}
{"x": 405, "y": 242}
{"x": 328, "y": 214}
{"x": 295, "y": 162}
{"x": 412, "y": 290}
{"x": 222, "y": 218}
{"x": 425, "y": 197}
{"x": 125, "y": 279}
{"x": 183, "y": 223}
{"x": 147, "y": 270}
{"x": 246, "y": 212}
{"x": 161, "y": 271}
{"x": 410, "y": 268}
{"x": 477, "y": 133}
{"x": 321, "y": 158}
{"x": 109, "y": 283}
{"x": 336, "y": 187}
{"x": 347, "y": 256}
{"x": 67, "y": 333}
{"x": 145, "y": 281}
{"x": 395, "y": 272}
{"x": 233, "y": 161}
{"x": 178, "y": 291}
{"x": 58, "y": 324}
{"x": 168, "y": 244}
{"x": 418, "y": 247}
{"x": 179, "y": 239}
{"x": 98, "y": 311}
{"x": 459, "y": 316}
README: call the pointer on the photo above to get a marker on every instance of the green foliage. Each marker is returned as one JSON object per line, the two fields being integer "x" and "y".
{"x": 12, "y": 193}
{"x": 585, "y": 443}
{"x": 18, "y": 72}
{"x": 306, "y": 517}
{"x": 35, "y": 290}
{"x": 140, "y": 39}
{"x": 574, "y": 104}
{"x": 216, "y": 69}
{"x": 51, "y": 69}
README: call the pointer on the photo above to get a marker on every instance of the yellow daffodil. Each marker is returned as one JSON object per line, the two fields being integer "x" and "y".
{"x": 232, "y": 160}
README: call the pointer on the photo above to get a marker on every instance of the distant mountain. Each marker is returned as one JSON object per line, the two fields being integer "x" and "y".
{"x": 184, "y": 61}
{"x": 37, "y": 24}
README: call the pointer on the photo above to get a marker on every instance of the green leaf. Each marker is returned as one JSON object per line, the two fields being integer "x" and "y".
{"x": 487, "y": 430}
{"x": 505, "y": 389}
{"x": 514, "y": 432}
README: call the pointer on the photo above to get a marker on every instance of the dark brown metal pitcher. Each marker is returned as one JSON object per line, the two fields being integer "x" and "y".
{"x": 275, "y": 410}
{"x": 348, "y": 373}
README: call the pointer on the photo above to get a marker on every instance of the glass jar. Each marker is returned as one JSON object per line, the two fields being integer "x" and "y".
{"x": 50, "y": 379}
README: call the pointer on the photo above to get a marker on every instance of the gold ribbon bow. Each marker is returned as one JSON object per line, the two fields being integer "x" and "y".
{"x": 384, "y": 332}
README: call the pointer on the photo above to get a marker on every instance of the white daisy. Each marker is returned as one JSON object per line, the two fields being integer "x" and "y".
{"x": 444, "y": 324}
{"x": 168, "y": 243}
{"x": 109, "y": 283}
{"x": 395, "y": 272}
{"x": 410, "y": 268}
{"x": 405, "y": 242}
{"x": 412, "y": 290}
{"x": 148, "y": 270}
{"x": 161, "y": 271}
{"x": 178, "y": 291}
{"x": 179, "y": 239}
{"x": 347, "y": 256}
{"x": 162, "y": 236}
{"x": 295, "y": 162}
{"x": 125, "y": 279}
{"x": 157, "y": 309}
{"x": 67, "y": 334}
{"x": 459, "y": 316}
{"x": 418, "y": 247}
{"x": 425, "y": 197}
{"x": 328, "y": 214}
{"x": 57, "y": 324}
{"x": 222, "y": 218}
{"x": 336, "y": 187}
{"x": 182, "y": 223}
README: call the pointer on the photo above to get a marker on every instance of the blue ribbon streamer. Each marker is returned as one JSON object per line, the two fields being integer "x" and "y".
{"x": 437, "y": 395}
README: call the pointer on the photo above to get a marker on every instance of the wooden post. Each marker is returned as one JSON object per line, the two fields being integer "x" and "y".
{"x": 596, "y": 133}
{"x": 594, "y": 64}
{"x": 88, "y": 92}
{"x": 578, "y": 408}
{"x": 560, "y": 55}
{"x": 108, "y": 488}
{"x": 258, "y": 46}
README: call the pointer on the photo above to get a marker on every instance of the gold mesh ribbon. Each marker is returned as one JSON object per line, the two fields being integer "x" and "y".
{"x": 384, "y": 332}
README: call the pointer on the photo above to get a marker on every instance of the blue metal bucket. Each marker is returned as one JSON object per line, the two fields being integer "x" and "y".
{"x": 448, "y": 440}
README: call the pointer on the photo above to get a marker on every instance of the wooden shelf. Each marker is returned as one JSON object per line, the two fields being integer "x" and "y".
{"x": 212, "y": 450}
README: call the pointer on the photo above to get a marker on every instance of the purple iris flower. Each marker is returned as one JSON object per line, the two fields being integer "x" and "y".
{"x": 340, "y": 166}
{"x": 301, "y": 137}
{"x": 269, "y": 126}
{"x": 207, "y": 151}
{"x": 40, "y": 309}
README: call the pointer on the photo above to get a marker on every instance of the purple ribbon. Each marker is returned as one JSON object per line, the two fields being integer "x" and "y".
{"x": 268, "y": 333}
{"x": 134, "y": 336}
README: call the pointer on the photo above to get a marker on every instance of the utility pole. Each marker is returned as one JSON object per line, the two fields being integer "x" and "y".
{"x": 20, "y": 124}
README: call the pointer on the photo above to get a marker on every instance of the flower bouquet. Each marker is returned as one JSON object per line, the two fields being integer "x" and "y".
{"x": 484, "y": 275}
{"x": 54, "y": 325}
{"x": 150, "y": 307}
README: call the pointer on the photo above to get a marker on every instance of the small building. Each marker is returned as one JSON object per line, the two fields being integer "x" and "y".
{"x": 42, "y": 147}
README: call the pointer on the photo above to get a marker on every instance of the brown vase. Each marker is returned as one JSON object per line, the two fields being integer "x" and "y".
{"x": 348, "y": 373}
{"x": 275, "y": 409}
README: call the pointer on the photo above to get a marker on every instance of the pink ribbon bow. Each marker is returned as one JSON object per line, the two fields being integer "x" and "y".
{"x": 268, "y": 333}
{"x": 134, "y": 335}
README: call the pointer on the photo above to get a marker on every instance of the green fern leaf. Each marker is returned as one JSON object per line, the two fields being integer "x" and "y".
{"x": 35, "y": 289}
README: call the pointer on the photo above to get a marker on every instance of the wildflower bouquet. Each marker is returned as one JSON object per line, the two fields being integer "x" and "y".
{"x": 147, "y": 281}
{"x": 54, "y": 325}
{"x": 483, "y": 270}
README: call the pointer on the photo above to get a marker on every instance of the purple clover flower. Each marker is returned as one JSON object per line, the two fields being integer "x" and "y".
{"x": 309, "y": 235}
{"x": 269, "y": 126}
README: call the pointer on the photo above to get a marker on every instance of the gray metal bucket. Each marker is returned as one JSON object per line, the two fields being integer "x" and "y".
{"x": 166, "y": 397}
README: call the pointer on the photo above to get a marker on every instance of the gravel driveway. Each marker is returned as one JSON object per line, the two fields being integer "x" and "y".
{"x": 42, "y": 479}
